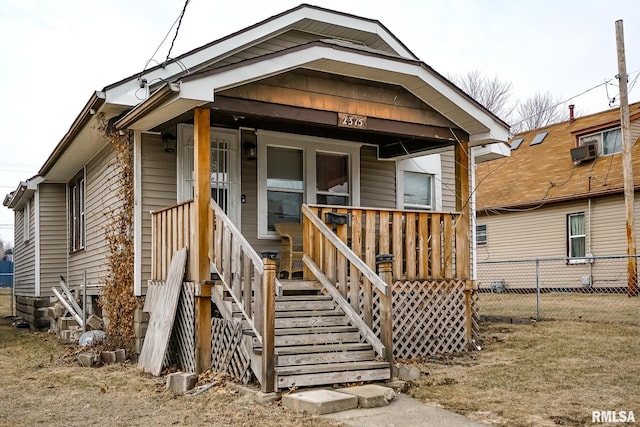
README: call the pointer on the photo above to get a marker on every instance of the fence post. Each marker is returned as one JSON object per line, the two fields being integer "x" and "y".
{"x": 537, "y": 289}
{"x": 269, "y": 325}
{"x": 384, "y": 262}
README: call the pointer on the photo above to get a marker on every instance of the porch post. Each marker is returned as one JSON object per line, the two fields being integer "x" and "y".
{"x": 201, "y": 271}
{"x": 385, "y": 271}
{"x": 268, "y": 329}
{"x": 463, "y": 232}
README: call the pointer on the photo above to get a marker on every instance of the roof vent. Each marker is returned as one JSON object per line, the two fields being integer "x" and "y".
{"x": 588, "y": 151}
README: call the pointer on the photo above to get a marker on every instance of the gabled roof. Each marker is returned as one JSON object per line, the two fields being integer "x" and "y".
{"x": 545, "y": 172}
{"x": 318, "y": 39}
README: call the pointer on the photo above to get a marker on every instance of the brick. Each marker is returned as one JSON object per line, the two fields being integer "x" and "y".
{"x": 181, "y": 382}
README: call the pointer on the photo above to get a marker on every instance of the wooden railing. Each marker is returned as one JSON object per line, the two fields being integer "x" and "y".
{"x": 423, "y": 244}
{"x": 330, "y": 260}
{"x": 171, "y": 229}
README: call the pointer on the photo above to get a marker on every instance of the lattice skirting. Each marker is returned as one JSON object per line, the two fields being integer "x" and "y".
{"x": 429, "y": 317}
{"x": 228, "y": 352}
{"x": 182, "y": 345}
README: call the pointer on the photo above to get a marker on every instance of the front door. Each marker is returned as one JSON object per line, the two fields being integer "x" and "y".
{"x": 225, "y": 185}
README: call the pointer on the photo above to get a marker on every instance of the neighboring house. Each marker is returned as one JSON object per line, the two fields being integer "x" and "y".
{"x": 559, "y": 194}
{"x": 309, "y": 107}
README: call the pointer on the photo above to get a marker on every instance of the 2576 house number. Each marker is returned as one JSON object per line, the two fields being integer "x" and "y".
{"x": 352, "y": 121}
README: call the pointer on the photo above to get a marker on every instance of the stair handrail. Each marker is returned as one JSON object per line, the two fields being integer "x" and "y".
{"x": 256, "y": 260}
{"x": 357, "y": 263}
{"x": 346, "y": 251}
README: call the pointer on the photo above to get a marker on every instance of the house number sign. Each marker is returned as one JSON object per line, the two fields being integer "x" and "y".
{"x": 352, "y": 121}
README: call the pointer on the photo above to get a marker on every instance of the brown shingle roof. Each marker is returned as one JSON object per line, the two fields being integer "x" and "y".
{"x": 545, "y": 172}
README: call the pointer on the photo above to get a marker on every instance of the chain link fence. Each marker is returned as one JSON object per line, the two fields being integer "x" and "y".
{"x": 6, "y": 295}
{"x": 589, "y": 289}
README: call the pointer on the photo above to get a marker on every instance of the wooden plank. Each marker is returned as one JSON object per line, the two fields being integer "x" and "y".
{"x": 383, "y": 245}
{"x": 268, "y": 332}
{"x": 331, "y": 367}
{"x": 423, "y": 248}
{"x": 70, "y": 296}
{"x": 68, "y": 306}
{"x": 436, "y": 260}
{"x": 410, "y": 244}
{"x": 463, "y": 205}
{"x": 247, "y": 281}
{"x": 161, "y": 319}
{"x": 448, "y": 247}
{"x": 356, "y": 247}
{"x": 342, "y": 233}
{"x": 398, "y": 238}
{"x": 314, "y": 358}
{"x": 235, "y": 262}
{"x": 288, "y": 381}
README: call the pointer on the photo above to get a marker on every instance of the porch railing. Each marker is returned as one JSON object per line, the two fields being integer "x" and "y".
{"x": 423, "y": 244}
{"x": 171, "y": 229}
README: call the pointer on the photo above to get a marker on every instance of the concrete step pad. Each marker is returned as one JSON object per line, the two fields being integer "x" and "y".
{"x": 370, "y": 395}
{"x": 319, "y": 402}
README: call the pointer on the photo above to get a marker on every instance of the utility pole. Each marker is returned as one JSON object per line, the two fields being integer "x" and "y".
{"x": 627, "y": 167}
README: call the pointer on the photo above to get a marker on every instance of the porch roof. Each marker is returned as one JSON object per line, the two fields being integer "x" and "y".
{"x": 329, "y": 57}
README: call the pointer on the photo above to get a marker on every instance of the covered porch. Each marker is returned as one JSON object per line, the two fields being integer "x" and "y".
{"x": 400, "y": 278}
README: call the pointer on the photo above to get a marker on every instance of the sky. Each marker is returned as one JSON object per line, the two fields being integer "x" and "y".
{"x": 56, "y": 53}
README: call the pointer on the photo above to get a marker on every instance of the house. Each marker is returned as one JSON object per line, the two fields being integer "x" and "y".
{"x": 559, "y": 195}
{"x": 311, "y": 116}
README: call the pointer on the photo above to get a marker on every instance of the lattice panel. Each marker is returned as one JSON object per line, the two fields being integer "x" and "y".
{"x": 429, "y": 317}
{"x": 182, "y": 345}
{"x": 228, "y": 353}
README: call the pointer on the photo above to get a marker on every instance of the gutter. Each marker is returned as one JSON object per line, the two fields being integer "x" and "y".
{"x": 14, "y": 199}
{"x": 90, "y": 109}
{"x": 159, "y": 97}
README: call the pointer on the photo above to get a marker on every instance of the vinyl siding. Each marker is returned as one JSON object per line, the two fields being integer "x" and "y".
{"x": 158, "y": 191}
{"x": 102, "y": 180}
{"x": 24, "y": 254}
{"x": 448, "y": 161}
{"x": 377, "y": 180}
{"x": 53, "y": 235}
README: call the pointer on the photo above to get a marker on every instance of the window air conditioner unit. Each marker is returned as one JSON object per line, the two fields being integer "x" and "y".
{"x": 588, "y": 151}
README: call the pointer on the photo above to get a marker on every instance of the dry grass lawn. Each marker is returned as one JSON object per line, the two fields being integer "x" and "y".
{"x": 544, "y": 374}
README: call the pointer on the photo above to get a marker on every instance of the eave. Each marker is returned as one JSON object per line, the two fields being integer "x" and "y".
{"x": 19, "y": 197}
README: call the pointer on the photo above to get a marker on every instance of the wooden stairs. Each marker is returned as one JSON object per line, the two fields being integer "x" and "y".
{"x": 315, "y": 343}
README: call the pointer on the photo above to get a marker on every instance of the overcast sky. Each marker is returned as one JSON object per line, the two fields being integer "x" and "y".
{"x": 57, "y": 52}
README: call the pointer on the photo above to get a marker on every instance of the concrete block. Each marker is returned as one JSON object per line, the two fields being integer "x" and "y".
{"x": 406, "y": 372}
{"x": 397, "y": 384}
{"x": 181, "y": 382}
{"x": 66, "y": 323}
{"x": 140, "y": 316}
{"x": 370, "y": 395}
{"x": 108, "y": 357}
{"x": 121, "y": 355}
{"x": 267, "y": 397}
{"x": 140, "y": 329}
{"x": 320, "y": 402}
{"x": 89, "y": 358}
{"x": 94, "y": 322}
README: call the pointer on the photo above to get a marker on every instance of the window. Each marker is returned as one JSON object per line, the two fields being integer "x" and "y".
{"x": 608, "y": 141}
{"x": 285, "y": 185}
{"x": 576, "y": 235}
{"x": 332, "y": 179}
{"x": 77, "y": 213}
{"x": 298, "y": 169}
{"x": 418, "y": 190}
{"x": 481, "y": 234}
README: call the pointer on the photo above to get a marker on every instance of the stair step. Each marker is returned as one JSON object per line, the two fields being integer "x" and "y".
{"x": 327, "y": 348}
{"x": 320, "y": 330}
{"x": 300, "y": 285}
{"x": 328, "y": 357}
{"x": 334, "y": 311}
{"x": 331, "y": 373}
{"x": 311, "y": 321}
{"x": 316, "y": 338}
{"x": 304, "y": 298}
{"x": 298, "y": 303}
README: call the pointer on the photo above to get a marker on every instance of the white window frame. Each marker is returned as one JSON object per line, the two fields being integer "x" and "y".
{"x": 485, "y": 234}
{"x": 309, "y": 145}
{"x": 570, "y": 237}
{"x": 599, "y": 137}
{"x": 429, "y": 165}
{"x": 77, "y": 198}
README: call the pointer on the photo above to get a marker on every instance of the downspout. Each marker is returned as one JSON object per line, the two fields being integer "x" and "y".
{"x": 474, "y": 247}
{"x": 589, "y": 253}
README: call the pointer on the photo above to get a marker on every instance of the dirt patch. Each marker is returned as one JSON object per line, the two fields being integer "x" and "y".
{"x": 545, "y": 374}
{"x": 42, "y": 385}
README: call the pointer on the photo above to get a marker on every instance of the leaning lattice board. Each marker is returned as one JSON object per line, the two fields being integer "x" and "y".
{"x": 229, "y": 354}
